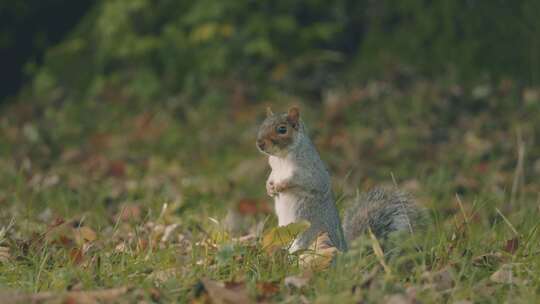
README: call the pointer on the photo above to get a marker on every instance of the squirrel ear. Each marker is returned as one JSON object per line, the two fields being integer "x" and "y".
{"x": 269, "y": 112}
{"x": 293, "y": 115}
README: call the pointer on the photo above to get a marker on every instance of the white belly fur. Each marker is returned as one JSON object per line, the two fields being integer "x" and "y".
{"x": 282, "y": 169}
{"x": 285, "y": 210}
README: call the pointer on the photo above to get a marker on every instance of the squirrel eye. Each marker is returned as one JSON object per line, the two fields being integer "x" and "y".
{"x": 281, "y": 129}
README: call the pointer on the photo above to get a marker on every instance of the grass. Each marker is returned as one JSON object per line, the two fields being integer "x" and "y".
{"x": 88, "y": 190}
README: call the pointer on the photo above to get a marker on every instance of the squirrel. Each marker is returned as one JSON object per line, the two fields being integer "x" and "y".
{"x": 301, "y": 187}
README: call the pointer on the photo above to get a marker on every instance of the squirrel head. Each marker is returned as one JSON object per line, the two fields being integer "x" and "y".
{"x": 279, "y": 133}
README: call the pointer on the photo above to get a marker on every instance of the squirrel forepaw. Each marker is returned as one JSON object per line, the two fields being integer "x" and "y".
{"x": 271, "y": 189}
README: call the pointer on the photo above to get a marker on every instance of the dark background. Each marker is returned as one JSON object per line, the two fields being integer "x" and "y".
{"x": 136, "y": 105}
{"x": 27, "y": 29}
{"x": 313, "y": 43}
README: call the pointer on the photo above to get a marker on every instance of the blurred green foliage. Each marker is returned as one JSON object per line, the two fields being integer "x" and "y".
{"x": 159, "y": 48}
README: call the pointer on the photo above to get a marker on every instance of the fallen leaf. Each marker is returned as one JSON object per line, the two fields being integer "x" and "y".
{"x": 438, "y": 280}
{"x": 76, "y": 255}
{"x": 267, "y": 289}
{"x": 168, "y": 232}
{"x": 488, "y": 259}
{"x": 282, "y": 236}
{"x": 235, "y": 285}
{"x": 164, "y": 275}
{"x": 246, "y": 239}
{"x": 220, "y": 294}
{"x": 93, "y": 296}
{"x": 117, "y": 168}
{"x": 398, "y": 299}
{"x": 247, "y": 206}
{"x": 4, "y": 254}
{"x": 129, "y": 212}
{"x": 505, "y": 275}
{"x": 297, "y": 281}
{"x": 155, "y": 294}
{"x": 84, "y": 234}
{"x": 512, "y": 245}
{"x": 57, "y": 222}
{"x": 142, "y": 244}
{"x": 320, "y": 255}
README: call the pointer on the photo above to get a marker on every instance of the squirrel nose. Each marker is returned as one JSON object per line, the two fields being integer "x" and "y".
{"x": 260, "y": 144}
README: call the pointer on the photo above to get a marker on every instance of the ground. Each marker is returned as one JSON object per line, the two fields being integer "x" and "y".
{"x": 113, "y": 199}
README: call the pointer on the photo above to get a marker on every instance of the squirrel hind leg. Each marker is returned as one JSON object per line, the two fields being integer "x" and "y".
{"x": 384, "y": 211}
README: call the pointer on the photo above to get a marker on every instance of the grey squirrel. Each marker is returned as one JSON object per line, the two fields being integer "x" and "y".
{"x": 301, "y": 187}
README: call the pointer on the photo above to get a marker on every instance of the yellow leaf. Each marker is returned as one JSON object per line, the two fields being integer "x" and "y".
{"x": 282, "y": 236}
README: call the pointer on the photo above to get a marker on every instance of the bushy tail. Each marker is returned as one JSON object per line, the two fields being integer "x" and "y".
{"x": 384, "y": 211}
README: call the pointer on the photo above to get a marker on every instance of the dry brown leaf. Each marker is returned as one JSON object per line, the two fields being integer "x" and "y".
{"x": 438, "y": 280}
{"x": 84, "y": 234}
{"x": 164, "y": 275}
{"x": 297, "y": 281}
{"x": 398, "y": 299}
{"x": 76, "y": 255}
{"x": 94, "y": 296}
{"x": 117, "y": 168}
{"x": 57, "y": 222}
{"x": 512, "y": 245}
{"x": 129, "y": 212}
{"x": 247, "y": 206}
{"x": 505, "y": 275}
{"x": 168, "y": 232}
{"x": 220, "y": 294}
{"x": 59, "y": 232}
{"x": 246, "y": 239}
{"x": 320, "y": 255}
{"x": 5, "y": 256}
{"x": 267, "y": 289}
{"x": 488, "y": 259}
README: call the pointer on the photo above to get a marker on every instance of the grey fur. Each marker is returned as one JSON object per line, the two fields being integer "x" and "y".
{"x": 312, "y": 199}
{"x": 316, "y": 202}
{"x": 384, "y": 211}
